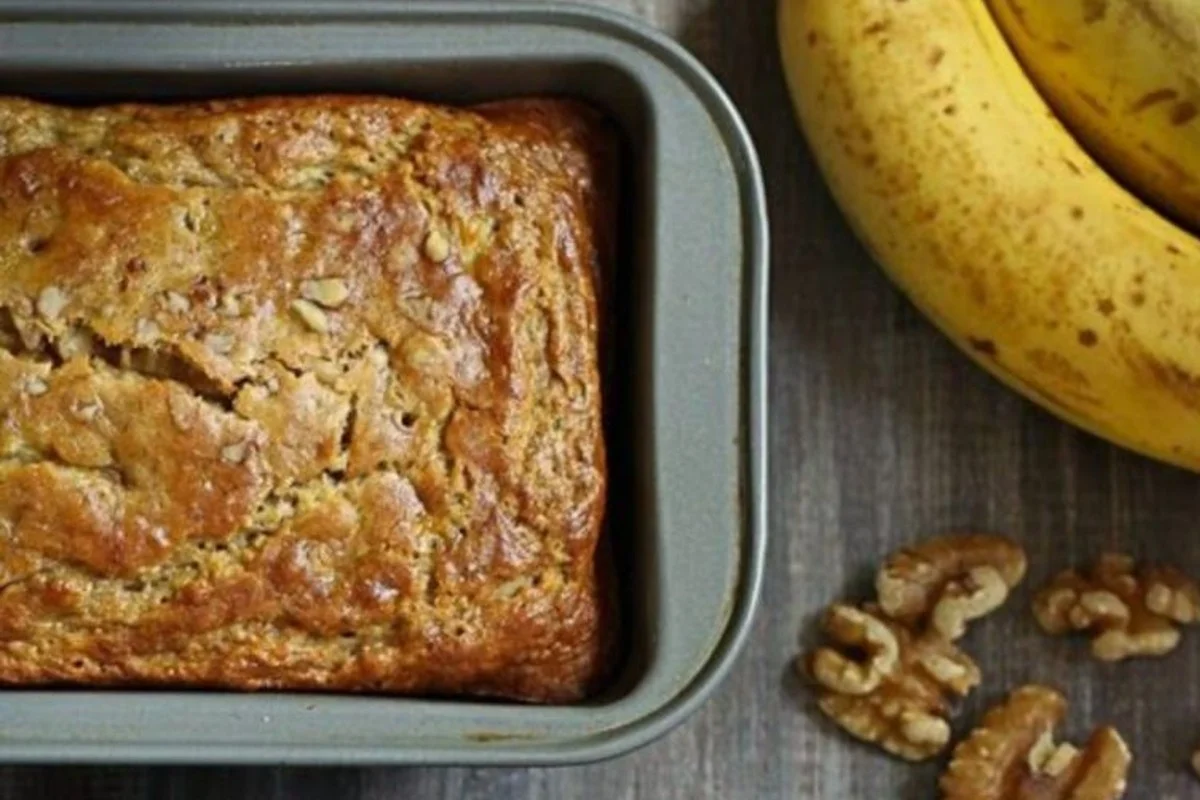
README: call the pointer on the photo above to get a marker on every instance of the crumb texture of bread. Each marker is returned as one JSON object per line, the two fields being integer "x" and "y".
{"x": 302, "y": 393}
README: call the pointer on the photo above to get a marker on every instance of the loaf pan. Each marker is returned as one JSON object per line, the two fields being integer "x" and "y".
{"x": 686, "y": 401}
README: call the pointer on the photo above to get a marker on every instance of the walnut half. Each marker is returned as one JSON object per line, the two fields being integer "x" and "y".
{"x": 1012, "y": 754}
{"x": 946, "y": 581}
{"x": 886, "y": 685}
{"x": 1131, "y": 613}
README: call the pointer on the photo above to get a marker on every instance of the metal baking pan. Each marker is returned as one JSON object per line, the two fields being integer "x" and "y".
{"x": 688, "y": 400}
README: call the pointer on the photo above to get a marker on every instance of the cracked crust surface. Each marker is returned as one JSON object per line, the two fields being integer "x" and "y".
{"x": 302, "y": 393}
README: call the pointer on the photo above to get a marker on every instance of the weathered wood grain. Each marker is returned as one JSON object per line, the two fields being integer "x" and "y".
{"x": 881, "y": 433}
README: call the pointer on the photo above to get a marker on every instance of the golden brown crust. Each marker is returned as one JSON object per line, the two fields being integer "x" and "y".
{"x": 302, "y": 392}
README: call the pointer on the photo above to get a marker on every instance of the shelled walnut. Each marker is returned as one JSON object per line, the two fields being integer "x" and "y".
{"x": 1131, "y": 613}
{"x": 947, "y": 581}
{"x": 886, "y": 685}
{"x": 1012, "y": 756}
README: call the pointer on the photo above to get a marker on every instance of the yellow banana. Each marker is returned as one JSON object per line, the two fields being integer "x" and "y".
{"x": 1125, "y": 77}
{"x": 992, "y": 218}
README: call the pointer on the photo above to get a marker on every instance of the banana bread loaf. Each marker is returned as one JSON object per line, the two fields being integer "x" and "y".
{"x": 303, "y": 393}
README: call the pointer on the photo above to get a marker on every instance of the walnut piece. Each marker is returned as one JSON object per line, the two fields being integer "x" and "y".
{"x": 1131, "y": 613}
{"x": 146, "y": 330}
{"x": 886, "y": 685}
{"x": 86, "y": 410}
{"x": 177, "y": 303}
{"x": 311, "y": 315}
{"x": 947, "y": 581}
{"x": 327, "y": 292}
{"x": 1012, "y": 755}
{"x": 34, "y": 386}
{"x": 230, "y": 305}
{"x": 852, "y": 627}
{"x": 220, "y": 343}
{"x": 424, "y": 353}
{"x": 437, "y": 246}
{"x": 75, "y": 342}
{"x": 235, "y": 453}
{"x": 50, "y": 303}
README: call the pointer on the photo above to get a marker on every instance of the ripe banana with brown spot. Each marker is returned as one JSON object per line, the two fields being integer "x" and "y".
{"x": 1125, "y": 77}
{"x": 994, "y": 220}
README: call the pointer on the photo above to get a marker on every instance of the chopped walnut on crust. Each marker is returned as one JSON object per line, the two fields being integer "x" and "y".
{"x": 886, "y": 685}
{"x": 1131, "y": 613}
{"x": 1012, "y": 755}
{"x": 947, "y": 581}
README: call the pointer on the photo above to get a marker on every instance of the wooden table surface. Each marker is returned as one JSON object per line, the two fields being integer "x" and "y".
{"x": 881, "y": 432}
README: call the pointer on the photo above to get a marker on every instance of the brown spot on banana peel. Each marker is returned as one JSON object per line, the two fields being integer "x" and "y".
{"x": 1094, "y": 10}
{"x": 982, "y": 346}
{"x": 928, "y": 213}
{"x": 1061, "y": 400}
{"x": 1151, "y": 15}
{"x": 1088, "y": 338}
{"x": 1184, "y": 386}
{"x": 1167, "y": 163}
{"x": 1058, "y": 368}
{"x": 1183, "y": 113}
{"x": 1151, "y": 99}
{"x": 1106, "y": 307}
{"x": 1092, "y": 102}
{"x": 977, "y": 287}
{"x": 1068, "y": 399}
{"x": 1018, "y": 12}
